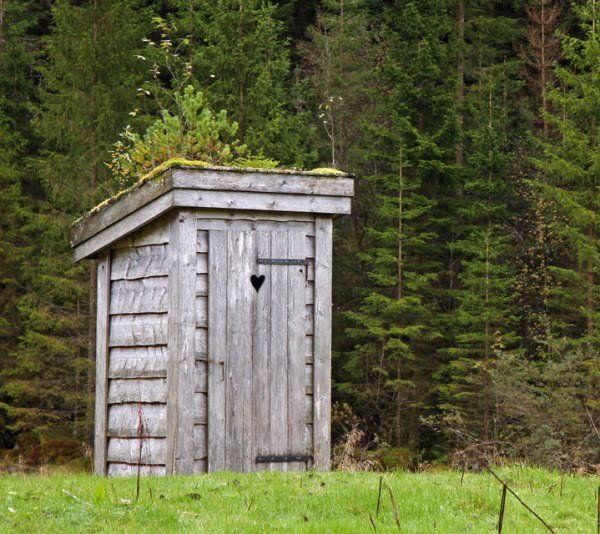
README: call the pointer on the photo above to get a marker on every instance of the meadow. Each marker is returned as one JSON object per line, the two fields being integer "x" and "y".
{"x": 299, "y": 502}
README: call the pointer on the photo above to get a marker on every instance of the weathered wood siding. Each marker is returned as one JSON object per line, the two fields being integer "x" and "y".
{"x": 203, "y": 372}
{"x": 136, "y": 393}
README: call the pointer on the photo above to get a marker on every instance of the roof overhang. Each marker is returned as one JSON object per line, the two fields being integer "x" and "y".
{"x": 209, "y": 188}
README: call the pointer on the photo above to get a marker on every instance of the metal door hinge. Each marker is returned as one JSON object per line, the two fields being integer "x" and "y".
{"x": 281, "y": 261}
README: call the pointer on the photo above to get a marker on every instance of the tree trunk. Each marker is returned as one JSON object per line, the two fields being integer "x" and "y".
{"x": 460, "y": 156}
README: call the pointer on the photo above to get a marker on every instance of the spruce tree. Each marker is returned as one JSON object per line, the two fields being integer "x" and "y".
{"x": 89, "y": 77}
{"x": 570, "y": 175}
{"x": 413, "y": 144}
{"x": 240, "y": 60}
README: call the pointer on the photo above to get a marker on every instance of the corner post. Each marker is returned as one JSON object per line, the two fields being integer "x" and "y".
{"x": 102, "y": 332}
{"x": 322, "y": 344}
{"x": 180, "y": 343}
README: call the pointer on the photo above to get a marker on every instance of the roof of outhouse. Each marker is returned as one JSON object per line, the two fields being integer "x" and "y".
{"x": 189, "y": 184}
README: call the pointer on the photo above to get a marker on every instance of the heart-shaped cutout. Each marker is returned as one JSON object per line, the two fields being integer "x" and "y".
{"x": 257, "y": 281}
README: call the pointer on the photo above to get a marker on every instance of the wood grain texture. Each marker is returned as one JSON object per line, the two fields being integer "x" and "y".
{"x": 202, "y": 284}
{"x": 138, "y": 362}
{"x": 124, "y": 420}
{"x": 202, "y": 263}
{"x": 201, "y": 305}
{"x": 322, "y": 344}
{"x": 242, "y": 200}
{"x": 279, "y": 353}
{"x": 238, "y": 370}
{"x": 149, "y": 451}
{"x": 246, "y": 223}
{"x": 261, "y": 342}
{"x": 181, "y": 343}
{"x": 296, "y": 360}
{"x": 260, "y": 182}
{"x": 202, "y": 241}
{"x": 201, "y": 343}
{"x": 200, "y": 442}
{"x": 102, "y": 334}
{"x": 201, "y": 376}
{"x": 200, "y": 403}
{"x": 116, "y": 211}
{"x": 132, "y": 263}
{"x": 147, "y": 295}
{"x": 108, "y": 235}
{"x": 138, "y": 330}
{"x": 128, "y": 470}
{"x": 217, "y": 348}
{"x": 137, "y": 390}
{"x": 234, "y": 216}
{"x": 200, "y": 467}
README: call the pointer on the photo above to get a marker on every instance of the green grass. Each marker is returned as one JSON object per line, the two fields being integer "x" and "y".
{"x": 296, "y": 502}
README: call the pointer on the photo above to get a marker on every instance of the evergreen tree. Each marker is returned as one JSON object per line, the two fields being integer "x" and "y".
{"x": 240, "y": 60}
{"x": 338, "y": 58}
{"x": 395, "y": 330}
{"x": 90, "y": 75}
{"x": 483, "y": 322}
{"x": 571, "y": 172}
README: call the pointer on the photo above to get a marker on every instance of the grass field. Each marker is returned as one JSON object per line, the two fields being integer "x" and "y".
{"x": 297, "y": 502}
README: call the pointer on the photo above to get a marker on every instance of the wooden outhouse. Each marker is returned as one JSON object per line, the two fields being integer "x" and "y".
{"x": 214, "y": 320}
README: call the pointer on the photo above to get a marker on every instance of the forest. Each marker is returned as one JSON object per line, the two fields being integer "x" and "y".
{"x": 466, "y": 280}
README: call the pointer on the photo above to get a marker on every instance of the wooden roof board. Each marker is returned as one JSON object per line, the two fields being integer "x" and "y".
{"x": 209, "y": 188}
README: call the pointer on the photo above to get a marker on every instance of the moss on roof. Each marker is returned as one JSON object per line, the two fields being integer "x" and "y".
{"x": 158, "y": 172}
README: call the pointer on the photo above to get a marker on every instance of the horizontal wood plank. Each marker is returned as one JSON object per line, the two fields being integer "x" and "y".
{"x": 200, "y": 442}
{"x": 124, "y": 420}
{"x": 138, "y": 330}
{"x": 201, "y": 304}
{"x": 202, "y": 285}
{"x": 200, "y": 408}
{"x": 201, "y": 343}
{"x": 149, "y": 451}
{"x": 228, "y": 221}
{"x": 147, "y": 295}
{"x": 111, "y": 234}
{"x": 262, "y": 182}
{"x": 131, "y": 263}
{"x": 242, "y": 200}
{"x": 114, "y": 212}
{"x": 138, "y": 362}
{"x": 202, "y": 241}
{"x": 202, "y": 263}
{"x": 201, "y": 376}
{"x": 137, "y": 390}
{"x": 200, "y": 467}
{"x": 128, "y": 470}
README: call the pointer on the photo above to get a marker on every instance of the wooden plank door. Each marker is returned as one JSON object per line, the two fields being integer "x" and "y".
{"x": 256, "y": 384}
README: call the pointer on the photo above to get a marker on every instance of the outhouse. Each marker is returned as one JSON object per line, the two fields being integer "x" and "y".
{"x": 214, "y": 320}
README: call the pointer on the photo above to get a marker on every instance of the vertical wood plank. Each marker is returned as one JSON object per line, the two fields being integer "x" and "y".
{"x": 238, "y": 365}
{"x": 261, "y": 354}
{"x": 102, "y": 333}
{"x": 295, "y": 340}
{"x": 217, "y": 347}
{"x": 279, "y": 348}
{"x": 322, "y": 344}
{"x": 181, "y": 334}
{"x": 247, "y": 296}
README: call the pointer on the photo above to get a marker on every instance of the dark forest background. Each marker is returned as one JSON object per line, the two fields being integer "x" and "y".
{"x": 466, "y": 280}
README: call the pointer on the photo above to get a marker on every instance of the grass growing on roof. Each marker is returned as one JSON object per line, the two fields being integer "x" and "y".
{"x": 296, "y": 502}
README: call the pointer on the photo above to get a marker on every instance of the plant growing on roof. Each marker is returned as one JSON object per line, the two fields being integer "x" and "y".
{"x": 191, "y": 131}
{"x": 186, "y": 128}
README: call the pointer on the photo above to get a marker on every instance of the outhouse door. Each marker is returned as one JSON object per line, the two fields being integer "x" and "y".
{"x": 257, "y": 335}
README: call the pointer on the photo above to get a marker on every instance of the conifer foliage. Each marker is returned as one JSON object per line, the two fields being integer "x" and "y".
{"x": 466, "y": 280}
